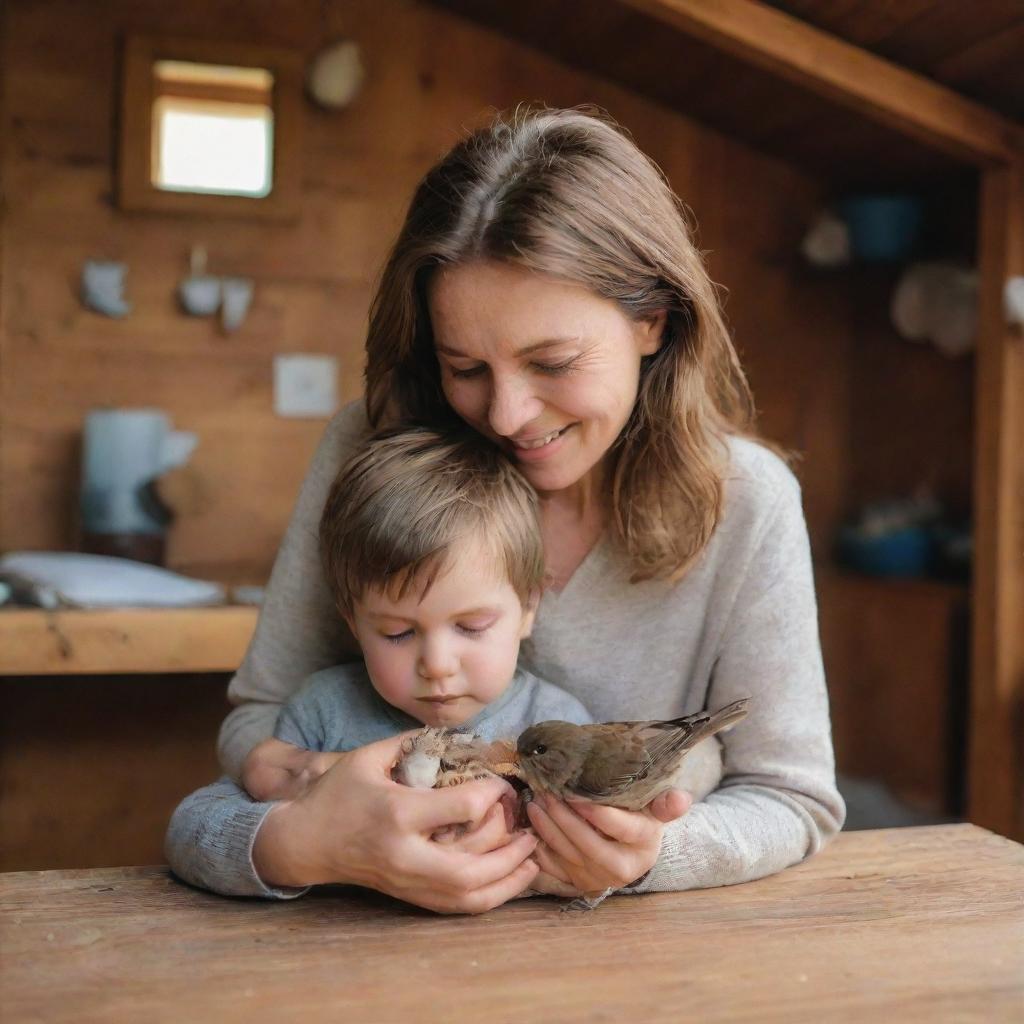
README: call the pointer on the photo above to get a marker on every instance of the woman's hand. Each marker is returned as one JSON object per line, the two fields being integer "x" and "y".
{"x": 354, "y": 825}
{"x": 587, "y": 848}
{"x": 275, "y": 770}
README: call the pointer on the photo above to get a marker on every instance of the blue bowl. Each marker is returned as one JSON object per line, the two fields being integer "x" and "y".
{"x": 883, "y": 228}
{"x": 904, "y": 552}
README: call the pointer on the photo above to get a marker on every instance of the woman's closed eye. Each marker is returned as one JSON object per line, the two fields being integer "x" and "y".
{"x": 467, "y": 372}
{"x": 557, "y": 369}
{"x": 548, "y": 369}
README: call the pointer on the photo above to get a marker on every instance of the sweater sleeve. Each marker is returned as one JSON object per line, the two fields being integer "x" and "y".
{"x": 778, "y": 801}
{"x": 210, "y": 839}
{"x": 298, "y": 631}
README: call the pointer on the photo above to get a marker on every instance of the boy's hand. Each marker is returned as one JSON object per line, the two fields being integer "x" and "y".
{"x": 275, "y": 770}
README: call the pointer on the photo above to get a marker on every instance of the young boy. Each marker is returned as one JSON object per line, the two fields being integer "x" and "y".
{"x": 432, "y": 550}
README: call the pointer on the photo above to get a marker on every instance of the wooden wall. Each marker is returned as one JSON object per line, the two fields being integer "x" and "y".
{"x": 429, "y": 74}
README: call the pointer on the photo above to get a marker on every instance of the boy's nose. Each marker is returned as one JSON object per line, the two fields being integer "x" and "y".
{"x": 436, "y": 661}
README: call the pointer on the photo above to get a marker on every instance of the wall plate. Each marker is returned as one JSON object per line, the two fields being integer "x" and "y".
{"x": 305, "y": 385}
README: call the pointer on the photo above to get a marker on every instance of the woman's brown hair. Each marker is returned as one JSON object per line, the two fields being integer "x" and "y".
{"x": 567, "y": 193}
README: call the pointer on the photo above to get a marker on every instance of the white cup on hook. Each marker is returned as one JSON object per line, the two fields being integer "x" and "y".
{"x": 199, "y": 293}
{"x": 236, "y": 296}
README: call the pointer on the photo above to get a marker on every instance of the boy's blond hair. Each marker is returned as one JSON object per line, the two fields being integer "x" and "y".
{"x": 399, "y": 506}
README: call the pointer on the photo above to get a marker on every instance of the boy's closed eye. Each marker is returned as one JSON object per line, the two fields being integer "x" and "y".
{"x": 467, "y": 628}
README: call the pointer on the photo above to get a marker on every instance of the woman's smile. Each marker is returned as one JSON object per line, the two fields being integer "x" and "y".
{"x": 537, "y": 448}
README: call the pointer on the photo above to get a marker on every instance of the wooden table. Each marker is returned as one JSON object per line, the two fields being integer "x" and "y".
{"x": 905, "y": 925}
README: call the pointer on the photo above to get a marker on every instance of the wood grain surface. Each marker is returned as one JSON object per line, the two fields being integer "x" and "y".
{"x": 910, "y": 925}
{"x": 431, "y": 74}
{"x": 80, "y": 642}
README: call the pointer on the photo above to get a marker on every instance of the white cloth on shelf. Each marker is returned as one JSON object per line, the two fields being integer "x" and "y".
{"x": 101, "y": 581}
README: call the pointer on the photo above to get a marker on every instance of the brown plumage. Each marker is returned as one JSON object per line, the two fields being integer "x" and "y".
{"x": 621, "y": 764}
{"x": 438, "y": 757}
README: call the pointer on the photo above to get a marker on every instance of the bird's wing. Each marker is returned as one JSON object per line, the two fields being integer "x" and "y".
{"x": 624, "y": 753}
{"x": 617, "y": 757}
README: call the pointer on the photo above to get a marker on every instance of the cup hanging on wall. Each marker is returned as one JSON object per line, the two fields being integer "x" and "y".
{"x": 102, "y": 288}
{"x": 199, "y": 293}
{"x": 236, "y": 296}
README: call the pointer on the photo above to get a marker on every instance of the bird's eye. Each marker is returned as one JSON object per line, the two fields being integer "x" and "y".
{"x": 539, "y": 748}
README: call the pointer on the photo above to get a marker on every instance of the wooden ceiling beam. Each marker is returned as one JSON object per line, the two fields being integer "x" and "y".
{"x": 831, "y": 67}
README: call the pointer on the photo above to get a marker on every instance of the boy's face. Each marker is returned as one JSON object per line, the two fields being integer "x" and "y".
{"x": 441, "y": 657}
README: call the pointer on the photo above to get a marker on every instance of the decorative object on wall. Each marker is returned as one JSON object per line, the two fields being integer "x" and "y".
{"x": 103, "y": 288}
{"x": 335, "y": 75}
{"x": 199, "y": 292}
{"x": 937, "y": 302}
{"x": 305, "y": 385}
{"x": 827, "y": 242}
{"x": 236, "y": 297}
{"x": 1013, "y": 301}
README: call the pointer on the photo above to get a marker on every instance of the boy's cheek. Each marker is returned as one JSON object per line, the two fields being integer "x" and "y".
{"x": 386, "y": 674}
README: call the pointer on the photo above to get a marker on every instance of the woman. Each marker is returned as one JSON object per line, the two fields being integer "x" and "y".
{"x": 545, "y": 289}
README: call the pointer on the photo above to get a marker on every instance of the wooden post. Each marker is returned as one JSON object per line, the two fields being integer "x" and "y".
{"x": 996, "y": 747}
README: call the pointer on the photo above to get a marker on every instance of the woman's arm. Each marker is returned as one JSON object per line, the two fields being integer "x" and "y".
{"x": 299, "y": 630}
{"x": 354, "y": 826}
{"x": 778, "y": 802}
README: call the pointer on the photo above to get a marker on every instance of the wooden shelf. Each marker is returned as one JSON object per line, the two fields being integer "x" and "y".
{"x": 126, "y": 640}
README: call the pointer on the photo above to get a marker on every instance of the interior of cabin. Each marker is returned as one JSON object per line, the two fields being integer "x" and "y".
{"x": 765, "y": 117}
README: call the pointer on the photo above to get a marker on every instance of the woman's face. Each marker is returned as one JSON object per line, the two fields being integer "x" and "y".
{"x": 541, "y": 365}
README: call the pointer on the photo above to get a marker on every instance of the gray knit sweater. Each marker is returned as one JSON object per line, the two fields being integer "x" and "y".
{"x": 741, "y": 623}
{"x": 210, "y": 838}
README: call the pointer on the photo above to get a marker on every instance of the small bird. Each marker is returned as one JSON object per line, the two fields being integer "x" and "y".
{"x": 621, "y": 764}
{"x": 437, "y": 757}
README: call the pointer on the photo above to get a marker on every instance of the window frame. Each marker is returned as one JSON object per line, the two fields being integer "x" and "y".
{"x": 135, "y": 190}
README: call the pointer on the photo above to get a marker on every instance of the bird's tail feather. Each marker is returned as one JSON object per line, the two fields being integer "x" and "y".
{"x": 705, "y": 724}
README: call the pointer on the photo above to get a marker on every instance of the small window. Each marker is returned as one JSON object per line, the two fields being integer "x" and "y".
{"x": 210, "y": 128}
{"x": 213, "y": 129}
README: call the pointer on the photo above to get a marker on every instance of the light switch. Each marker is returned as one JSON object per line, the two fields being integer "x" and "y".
{"x": 305, "y": 385}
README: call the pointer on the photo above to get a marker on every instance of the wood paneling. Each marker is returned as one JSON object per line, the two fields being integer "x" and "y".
{"x": 430, "y": 75}
{"x": 91, "y": 768}
{"x": 896, "y": 660}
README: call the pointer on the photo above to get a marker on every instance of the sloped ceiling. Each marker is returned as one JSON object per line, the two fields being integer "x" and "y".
{"x": 975, "y": 48}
